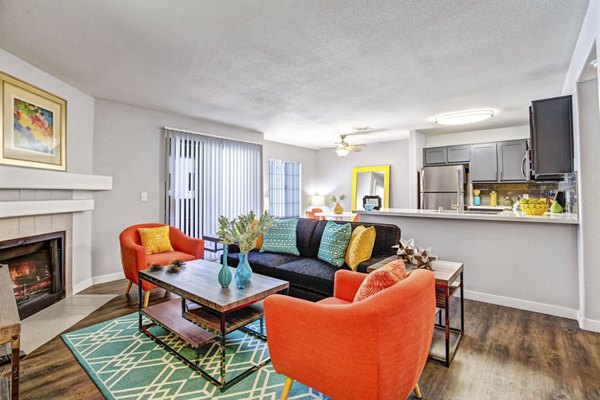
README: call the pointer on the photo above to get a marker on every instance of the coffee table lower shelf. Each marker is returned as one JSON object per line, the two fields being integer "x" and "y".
{"x": 170, "y": 316}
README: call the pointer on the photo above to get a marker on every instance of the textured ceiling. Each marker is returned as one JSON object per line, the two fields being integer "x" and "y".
{"x": 303, "y": 71}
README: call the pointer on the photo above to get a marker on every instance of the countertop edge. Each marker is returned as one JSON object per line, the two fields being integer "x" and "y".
{"x": 470, "y": 217}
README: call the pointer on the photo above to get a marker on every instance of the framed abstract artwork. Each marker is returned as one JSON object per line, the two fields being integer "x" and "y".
{"x": 33, "y": 126}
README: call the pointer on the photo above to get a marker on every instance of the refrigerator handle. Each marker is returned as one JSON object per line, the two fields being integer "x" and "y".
{"x": 459, "y": 189}
{"x": 421, "y": 177}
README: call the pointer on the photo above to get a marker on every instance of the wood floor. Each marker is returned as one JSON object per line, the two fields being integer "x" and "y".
{"x": 505, "y": 354}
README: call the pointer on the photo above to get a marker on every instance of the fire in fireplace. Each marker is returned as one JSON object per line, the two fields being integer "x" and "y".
{"x": 36, "y": 266}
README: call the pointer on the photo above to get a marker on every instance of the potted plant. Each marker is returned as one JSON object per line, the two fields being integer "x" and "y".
{"x": 338, "y": 209}
{"x": 242, "y": 231}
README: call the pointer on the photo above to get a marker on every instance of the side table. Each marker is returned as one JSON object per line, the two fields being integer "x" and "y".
{"x": 448, "y": 281}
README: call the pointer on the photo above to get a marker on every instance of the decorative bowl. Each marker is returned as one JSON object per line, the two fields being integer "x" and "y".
{"x": 369, "y": 207}
{"x": 534, "y": 209}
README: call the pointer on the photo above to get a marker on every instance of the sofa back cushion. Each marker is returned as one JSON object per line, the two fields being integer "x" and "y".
{"x": 304, "y": 233}
{"x": 387, "y": 235}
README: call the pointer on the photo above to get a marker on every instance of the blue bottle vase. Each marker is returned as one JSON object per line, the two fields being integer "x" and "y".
{"x": 224, "y": 272}
{"x": 243, "y": 272}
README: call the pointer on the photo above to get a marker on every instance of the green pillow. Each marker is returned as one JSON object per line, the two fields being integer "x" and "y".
{"x": 281, "y": 237}
{"x": 334, "y": 243}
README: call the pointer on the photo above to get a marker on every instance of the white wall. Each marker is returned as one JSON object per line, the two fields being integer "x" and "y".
{"x": 308, "y": 158}
{"x": 80, "y": 130}
{"x": 587, "y": 143}
{"x": 129, "y": 145}
{"x": 334, "y": 174}
{"x": 484, "y": 136}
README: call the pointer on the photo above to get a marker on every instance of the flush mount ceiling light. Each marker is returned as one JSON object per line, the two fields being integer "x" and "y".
{"x": 463, "y": 117}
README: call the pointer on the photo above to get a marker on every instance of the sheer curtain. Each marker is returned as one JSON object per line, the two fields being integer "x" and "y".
{"x": 208, "y": 177}
{"x": 285, "y": 190}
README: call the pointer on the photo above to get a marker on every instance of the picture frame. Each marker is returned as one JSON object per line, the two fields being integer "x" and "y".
{"x": 33, "y": 126}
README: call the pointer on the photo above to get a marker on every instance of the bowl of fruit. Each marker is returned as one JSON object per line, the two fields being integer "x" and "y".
{"x": 534, "y": 206}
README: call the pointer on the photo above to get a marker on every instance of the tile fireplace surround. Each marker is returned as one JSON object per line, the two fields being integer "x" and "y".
{"x": 35, "y": 202}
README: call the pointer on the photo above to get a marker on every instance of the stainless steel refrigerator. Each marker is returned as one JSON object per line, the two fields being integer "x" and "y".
{"x": 443, "y": 186}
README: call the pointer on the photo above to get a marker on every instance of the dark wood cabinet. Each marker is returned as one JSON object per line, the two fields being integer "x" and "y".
{"x": 551, "y": 123}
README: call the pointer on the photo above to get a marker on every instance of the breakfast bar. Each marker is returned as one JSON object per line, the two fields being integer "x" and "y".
{"x": 513, "y": 260}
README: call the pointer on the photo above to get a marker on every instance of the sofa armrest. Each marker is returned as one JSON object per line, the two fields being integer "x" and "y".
{"x": 182, "y": 242}
{"x": 380, "y": 263}
{"x": 346, "y": 284}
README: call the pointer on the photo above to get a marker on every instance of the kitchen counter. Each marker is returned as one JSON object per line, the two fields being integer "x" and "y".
{"x": 510, "y": 259}
{"x": 506, "y": 216}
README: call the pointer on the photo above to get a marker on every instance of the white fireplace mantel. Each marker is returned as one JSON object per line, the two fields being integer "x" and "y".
{"x": 9, "y": 209}
{"x": 28, "y": 178}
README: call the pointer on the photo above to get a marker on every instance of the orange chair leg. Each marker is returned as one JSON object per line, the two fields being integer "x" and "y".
{"x": 418, "y": 394}
{"x": 129, "y": 283}
{"x": 146, "y": 298}
{"x": 287, "y": 386}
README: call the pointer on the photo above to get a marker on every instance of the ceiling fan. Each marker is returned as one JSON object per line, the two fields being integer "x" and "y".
{"x": 343, "y": 148}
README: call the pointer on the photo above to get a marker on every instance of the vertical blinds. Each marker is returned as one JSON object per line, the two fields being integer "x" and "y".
{"x": 208, "y": 177}
{"x": 285, "y": 192}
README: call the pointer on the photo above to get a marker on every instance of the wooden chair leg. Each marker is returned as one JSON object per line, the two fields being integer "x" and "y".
{"x": 287, "y": 386}
{"x": 418, "y": 394}
{"x": 146, "y": 298}
{"x": 129, "y": 283}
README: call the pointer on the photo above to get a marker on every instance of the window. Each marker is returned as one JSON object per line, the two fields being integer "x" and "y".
{"x": 285, "y": 191}
{"x": 208, "y": 177}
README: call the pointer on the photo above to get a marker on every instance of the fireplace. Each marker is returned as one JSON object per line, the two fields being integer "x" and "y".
{"x": 37, "y": 269}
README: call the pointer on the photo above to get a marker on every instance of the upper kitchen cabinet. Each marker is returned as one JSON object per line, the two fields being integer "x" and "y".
{"x": 484, "y": 164}
{"x": 434, "y": 155}
{"x": 512, "y": 161}
{"x": 458, "y": 154}
{"x": 446, "y": 155}
{"x": 551, "y": 123}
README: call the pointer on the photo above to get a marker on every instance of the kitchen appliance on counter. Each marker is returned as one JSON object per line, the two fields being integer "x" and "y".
{"x": 443, "y": 187}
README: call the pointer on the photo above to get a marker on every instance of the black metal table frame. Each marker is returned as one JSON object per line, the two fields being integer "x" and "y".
{"x": 221, "y": 383}
{"x": 450, "y": 353}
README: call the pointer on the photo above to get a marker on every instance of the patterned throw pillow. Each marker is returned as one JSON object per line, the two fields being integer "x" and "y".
{"x": 361, "y": 246}
{"x": 156, "y": 240}
{"x": 380, "y": 279}
{"x": 281, "y": 237}
{"x": 334, "y": 243}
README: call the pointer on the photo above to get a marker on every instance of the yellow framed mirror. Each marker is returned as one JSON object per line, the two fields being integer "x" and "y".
{"x": 370, "y": 181}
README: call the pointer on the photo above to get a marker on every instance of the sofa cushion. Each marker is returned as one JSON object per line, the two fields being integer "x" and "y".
{"x": 387, "y": 235}
{"x": 360, "y": 247}
{"x": 334, "y": 243}
{"x": 281, "y": 237}
{"x": 263, "y": 263}
{"x": 309, "y": 273}
{"x": 304, "y": 233}
{"x": 168, "y": 257}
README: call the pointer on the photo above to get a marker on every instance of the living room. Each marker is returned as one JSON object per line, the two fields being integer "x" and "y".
{"x": 179, "y": 114}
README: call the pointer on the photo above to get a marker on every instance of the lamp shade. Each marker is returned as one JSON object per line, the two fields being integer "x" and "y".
{"x": 317, "y": 201}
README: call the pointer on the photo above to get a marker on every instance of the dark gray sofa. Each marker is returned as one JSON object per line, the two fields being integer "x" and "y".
{"x": 309, "y": 277}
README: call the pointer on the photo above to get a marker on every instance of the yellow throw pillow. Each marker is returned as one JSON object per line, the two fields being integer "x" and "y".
{"x": 360, "y": 247}
{"x": 156, "y": 240}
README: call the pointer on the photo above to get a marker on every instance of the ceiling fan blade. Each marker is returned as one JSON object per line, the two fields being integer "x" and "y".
{"x": 356, "y": 147}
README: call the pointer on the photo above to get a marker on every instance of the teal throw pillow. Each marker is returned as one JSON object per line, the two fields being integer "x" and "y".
{"x": 334, "y": 243}
{"x": 281, "y": 237}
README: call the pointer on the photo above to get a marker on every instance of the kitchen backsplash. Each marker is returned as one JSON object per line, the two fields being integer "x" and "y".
{"x": 569, "y": 186}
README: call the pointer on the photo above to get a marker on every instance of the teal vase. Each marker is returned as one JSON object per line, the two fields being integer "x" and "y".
{"x": 243, "y": 272}
{"x": 224, "y": 272}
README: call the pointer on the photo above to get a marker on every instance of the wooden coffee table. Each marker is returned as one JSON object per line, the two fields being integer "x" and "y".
{"x": 206, "y": 312}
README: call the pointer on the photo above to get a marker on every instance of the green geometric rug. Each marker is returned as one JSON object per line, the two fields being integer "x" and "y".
{"x": 127, "y": 365}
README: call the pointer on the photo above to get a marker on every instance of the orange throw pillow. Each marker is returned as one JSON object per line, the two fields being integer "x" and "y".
{"x": 259, "y": 243}
{"x": 380, "y": 279}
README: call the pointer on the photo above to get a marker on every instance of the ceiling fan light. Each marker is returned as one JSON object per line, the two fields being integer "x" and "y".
{"x": 594, "y": 63}
{"x": 342, "y": 152}
{"x": 463, "y": 117}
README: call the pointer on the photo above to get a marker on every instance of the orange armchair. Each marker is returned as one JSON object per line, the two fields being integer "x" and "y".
{"x": 374, "y": 349}
{"x": 134, "y": 257}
